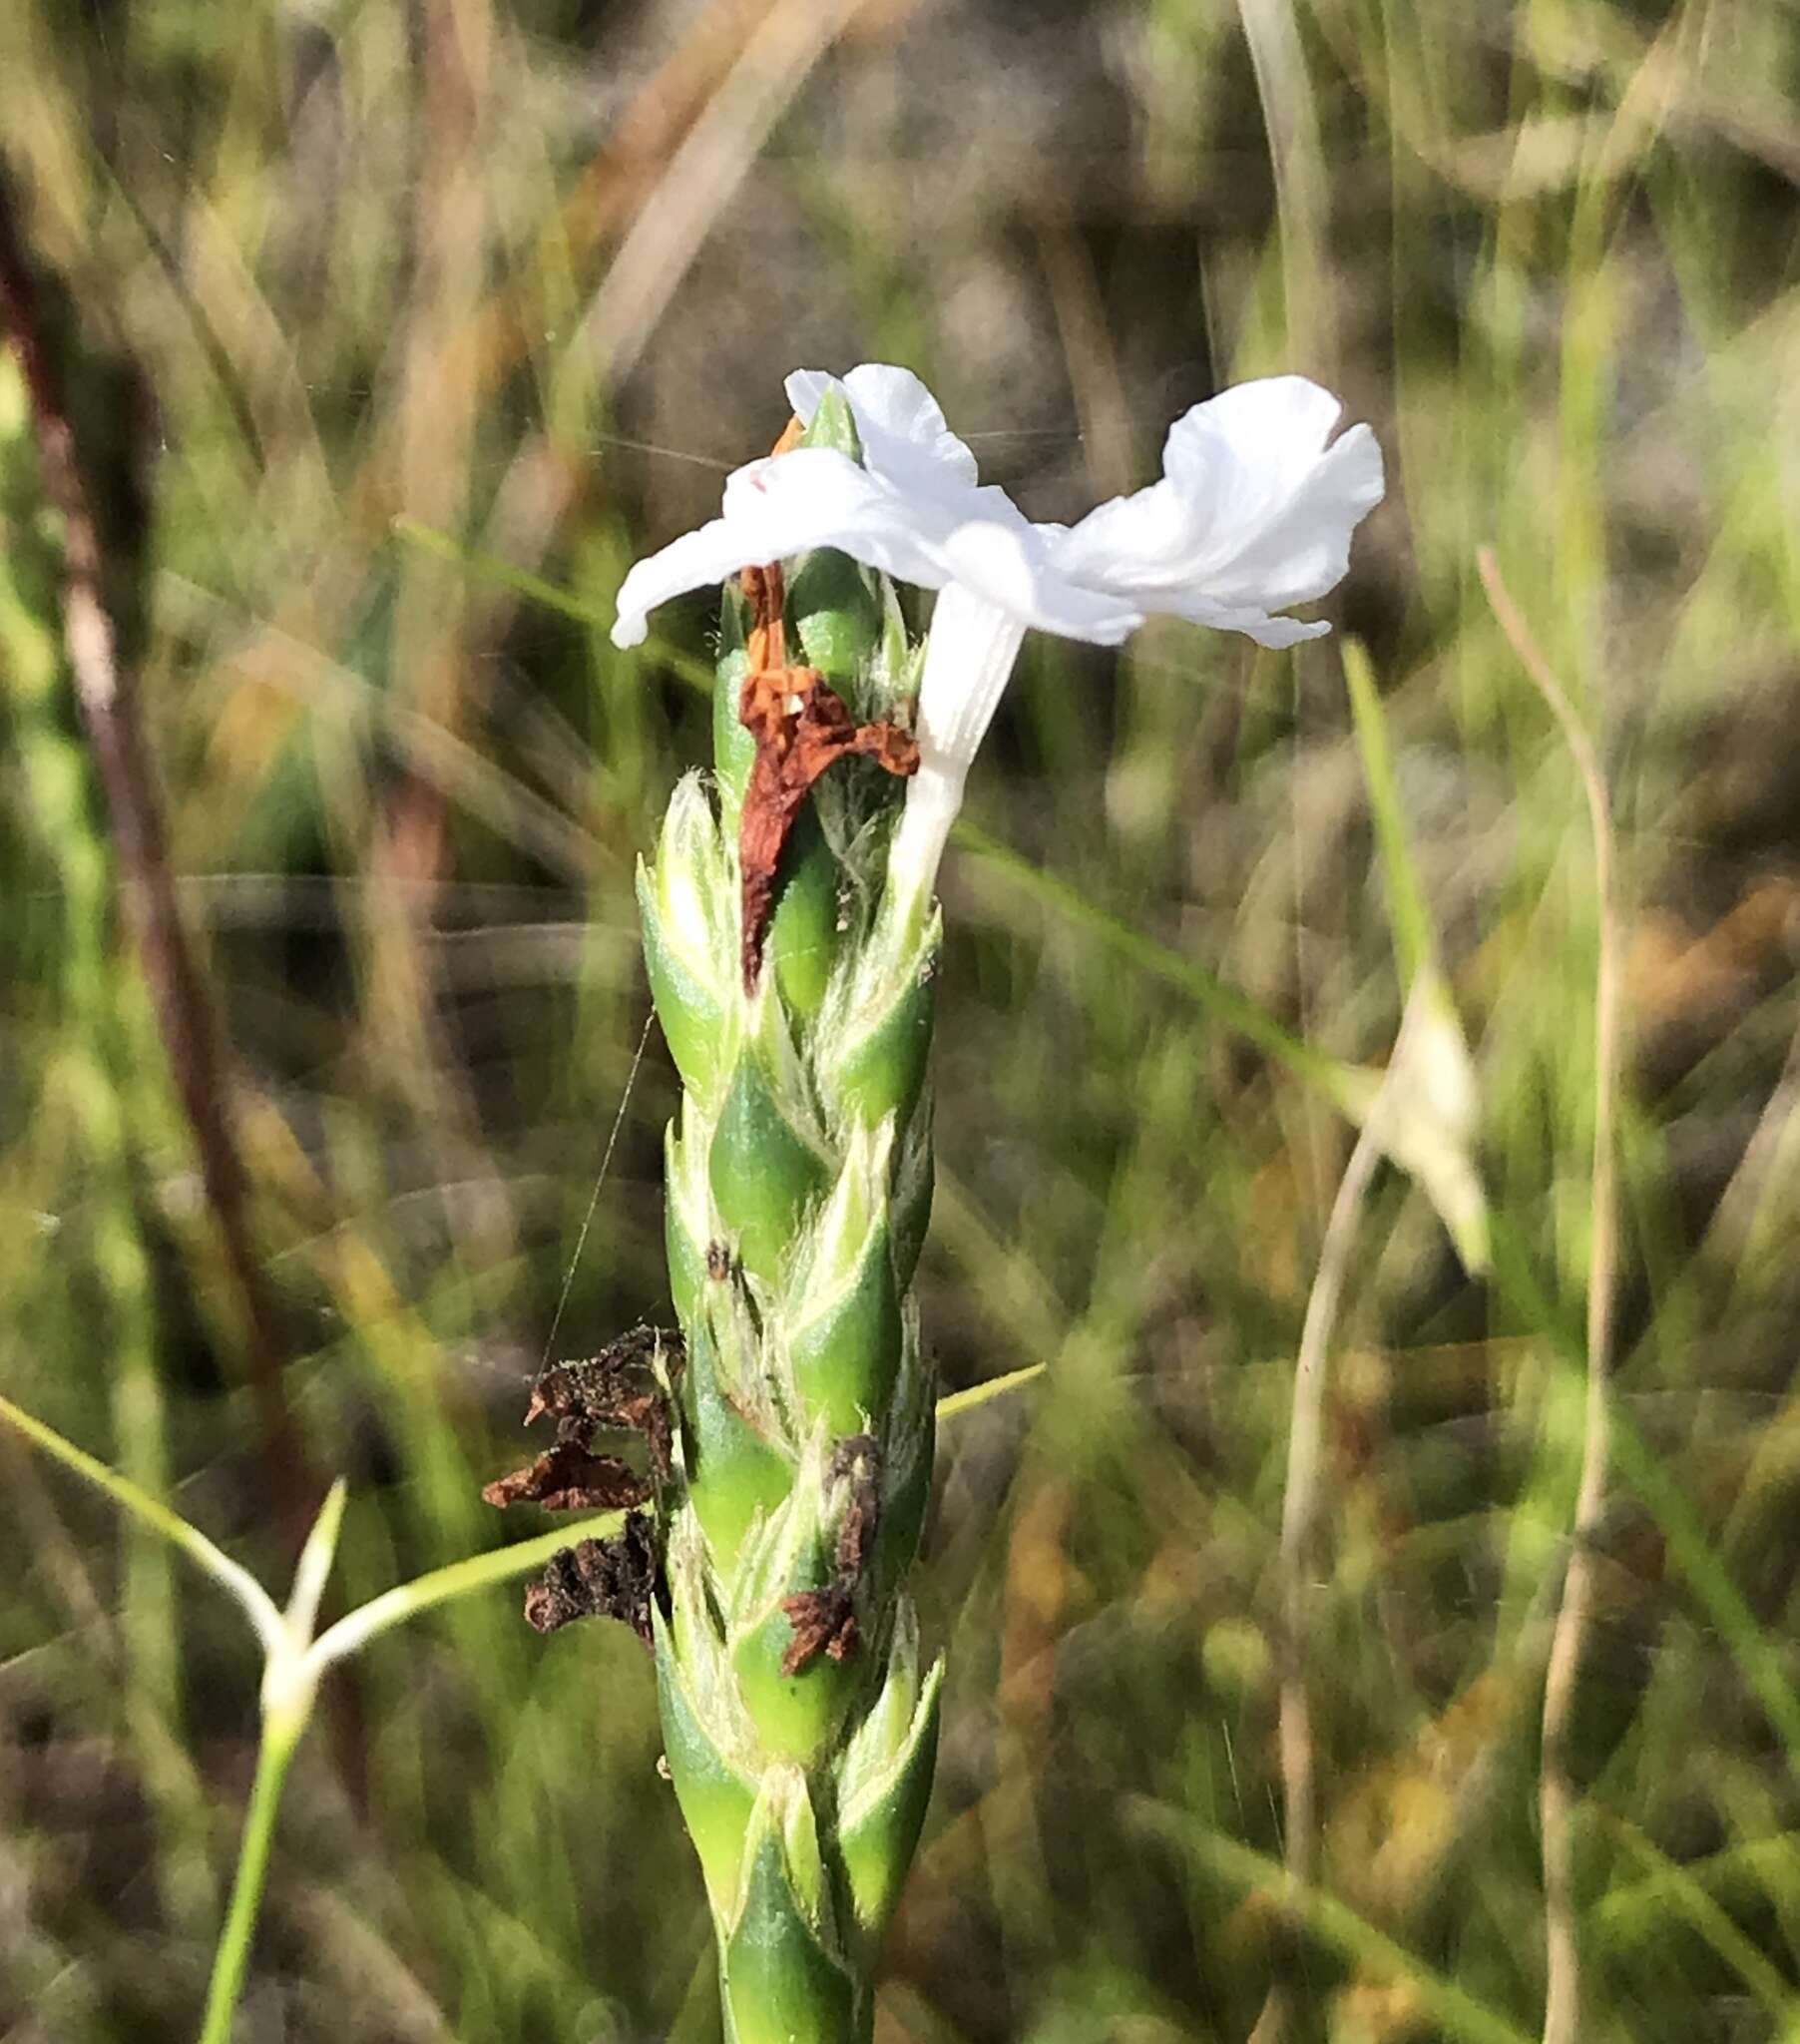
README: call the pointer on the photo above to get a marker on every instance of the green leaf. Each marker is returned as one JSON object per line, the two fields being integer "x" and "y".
{"x": 909, "y": 1210}
{"x": 692, "y": 1019}
{"x": 906, "y": 1478}
{"x": 689, "y": 914}
{"x": 796, "y": 1715}
{"x": 837, "y": 616}
{"x": 958, "y": 1402}
{"x": 834, "y": 425}
{"x": 846, "y": 1352}
{"x": 1235, "y": 1011}
{"x": 733, "y": 749}
{"x": 1414, "y": 944}
{"x": 1451, "y": 2010}
{"x": 686, "y": 1249}
{"x": 877, "y": 1060}
{"x": 254, "y": 1601}
{"x": 844, "y": 1329}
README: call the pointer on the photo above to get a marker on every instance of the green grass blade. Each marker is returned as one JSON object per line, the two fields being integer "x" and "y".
{"x": 1456, "y": 2011}
{"x": 1236, "y": 1011}
{"x": 257, "y": 1605}
{"x": 1688, "y": 1898}
{"x": 459, "y": 1579}
{"x": 1414, "y": 943}
{"x": 959, "y": 1402}
{"x": 550, "y": 595}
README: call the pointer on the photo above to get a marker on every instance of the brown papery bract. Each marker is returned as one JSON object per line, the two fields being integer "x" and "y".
{"x": 801, "y": 725}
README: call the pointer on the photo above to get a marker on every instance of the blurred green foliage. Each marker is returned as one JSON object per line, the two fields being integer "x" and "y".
{"x": 529, "y": 274}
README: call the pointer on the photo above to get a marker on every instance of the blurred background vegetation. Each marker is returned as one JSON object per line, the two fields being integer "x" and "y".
{"x": 525, "y": 276}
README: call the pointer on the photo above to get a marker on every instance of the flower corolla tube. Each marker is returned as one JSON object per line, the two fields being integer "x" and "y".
{"x": 1251, "y": 515}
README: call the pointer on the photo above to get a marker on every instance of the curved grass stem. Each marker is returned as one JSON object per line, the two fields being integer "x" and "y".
{"x": 1557, "y": 1793}
{"x": 394, "y": 1607}
{"x": 1299, "y": 1527}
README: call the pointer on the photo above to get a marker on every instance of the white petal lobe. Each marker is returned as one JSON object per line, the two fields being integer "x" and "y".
{"x": 1253, "y": 513}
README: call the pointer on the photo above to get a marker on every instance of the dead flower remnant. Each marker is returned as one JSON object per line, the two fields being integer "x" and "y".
{"x": 613, "y": 1578}
{"x": 569, "y": 1479}
{"x": 825, "y": 1620}
{"x": 623, "y": 1389}
{"x": 801, "y": 725}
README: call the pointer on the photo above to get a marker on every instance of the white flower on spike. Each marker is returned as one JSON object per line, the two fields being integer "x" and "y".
{"x": 1254, "y": 514}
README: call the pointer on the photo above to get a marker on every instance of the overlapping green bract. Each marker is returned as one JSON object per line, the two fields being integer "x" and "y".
{"x": 798, "y": 1184}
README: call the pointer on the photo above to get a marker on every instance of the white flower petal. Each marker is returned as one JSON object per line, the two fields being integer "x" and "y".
{"x": 1278, "y": 426}
{"x": 1000, "y": 583}
{"x": 816, "y": 497}
{"x": 1253, "y": 513}
{"x": 968, "y": 661}
{"x": 1006, "y": 563}
{"x": 969, "y": 657}
{"x": 1302, "y": 549}
{"x": 904, "y": 436}
{"x": 1251, "y": 622}
{"x": 709, "y": 554}
{"x": 804, "y": 388}
{"x": 1145, "y": 537}
{"x": 781, "y": 506}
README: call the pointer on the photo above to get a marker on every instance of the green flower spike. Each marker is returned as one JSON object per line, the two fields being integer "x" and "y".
{"x": 799, "y": 1735}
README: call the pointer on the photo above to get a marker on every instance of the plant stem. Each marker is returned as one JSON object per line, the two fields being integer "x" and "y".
{"x": 1557, "y": 1795}
{"x": 281, "y": 1735}
{"x": 1299, "y": 1527}
{"x": 353, "y": 1631}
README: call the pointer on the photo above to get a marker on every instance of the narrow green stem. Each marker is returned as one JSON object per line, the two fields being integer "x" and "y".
{"x": 231, "y": 1960}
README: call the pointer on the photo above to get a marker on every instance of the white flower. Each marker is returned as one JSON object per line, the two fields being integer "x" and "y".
{"x": 1253, "y": 513}
{"x": 913, "y": 508}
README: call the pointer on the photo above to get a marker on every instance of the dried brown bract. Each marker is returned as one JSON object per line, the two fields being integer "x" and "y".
{"x": 800, "y": 727}
{"x": 621, "y": 1390}
{"x": 825, "y": 1620}
{"x": 613, "y": 1578}
{"x": 857, "y": 1461}
{"x": 570, "y": 1479}
{"x": 593, "y": 1390}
